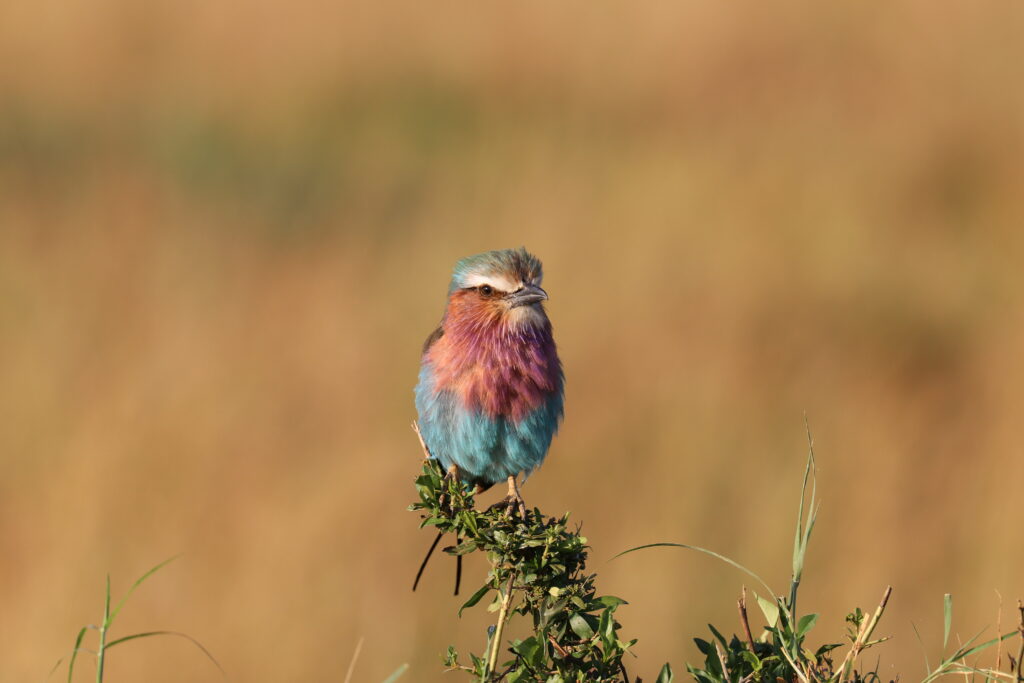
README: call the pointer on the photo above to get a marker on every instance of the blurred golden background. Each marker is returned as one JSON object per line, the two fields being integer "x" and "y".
{"x": 225, "y": 231}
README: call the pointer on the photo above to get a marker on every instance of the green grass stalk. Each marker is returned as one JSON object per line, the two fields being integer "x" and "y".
{"x": 102, "y": 650}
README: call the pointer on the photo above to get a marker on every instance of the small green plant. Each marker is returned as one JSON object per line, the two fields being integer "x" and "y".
{"x": 538, "y": 571}
{"x": 956, "y": 663}
{"x": 781, "y": 653}
{"x": 104, "y": 628}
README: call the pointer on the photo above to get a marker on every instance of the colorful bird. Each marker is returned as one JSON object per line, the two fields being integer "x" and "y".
{"x": 490, "y": 388}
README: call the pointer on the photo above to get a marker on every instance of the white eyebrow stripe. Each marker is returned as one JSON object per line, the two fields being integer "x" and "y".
{"x": 499, "y": 282}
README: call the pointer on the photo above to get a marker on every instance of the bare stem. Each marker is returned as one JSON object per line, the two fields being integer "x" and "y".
{"x": 101, "y": 650}
{"x": 100, "y": 653}
{"x": 506, "y": 601}
{"x": 1020, "y": 653}
{"x": 423, "y": 444}
{"x": 742, "y": 605}
{"x": 999, "y": 630}
{"x": 355, "y": 658}
{"x": 721, "y": 660}
{"x": 863, "y": 636}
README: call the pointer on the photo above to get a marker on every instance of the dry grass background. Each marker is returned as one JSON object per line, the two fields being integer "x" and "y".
{"x": 225, "y": 231}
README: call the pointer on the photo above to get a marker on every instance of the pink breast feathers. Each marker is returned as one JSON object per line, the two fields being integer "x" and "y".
{"x": 498, "y": 371}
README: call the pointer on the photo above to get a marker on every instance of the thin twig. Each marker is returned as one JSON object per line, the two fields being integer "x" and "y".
{"x": 863, "y": 636}
{"x": 423, "y": 444}
{"x": 1020, "y": 653}
{"x": 721, "y": 660}
{"x": 999, "y": 630}
{"x": 966, "y": 670}
{"x": 742, "y": 605}
{"x": 355, "y": 658}
{"x": 796, "y": 668}
{"x": 506, "y": 600}
{"x": 554, "y": 643}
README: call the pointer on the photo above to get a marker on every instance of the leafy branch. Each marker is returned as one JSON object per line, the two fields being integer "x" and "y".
{"x": 538, "y": 572}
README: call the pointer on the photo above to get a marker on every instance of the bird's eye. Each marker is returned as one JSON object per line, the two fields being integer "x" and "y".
{"x": 486, "y": 290}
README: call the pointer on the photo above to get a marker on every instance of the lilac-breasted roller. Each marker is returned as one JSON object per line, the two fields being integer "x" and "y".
{"x": 490, "y": 388}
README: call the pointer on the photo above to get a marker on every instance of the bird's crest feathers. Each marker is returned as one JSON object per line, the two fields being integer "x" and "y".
{"x": 504, "y": 269}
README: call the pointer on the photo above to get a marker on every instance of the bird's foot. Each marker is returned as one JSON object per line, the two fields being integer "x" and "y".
{"x": 512, "y": 505}
{"x": 442, "y": 500}
{"x": 513, "y": 501}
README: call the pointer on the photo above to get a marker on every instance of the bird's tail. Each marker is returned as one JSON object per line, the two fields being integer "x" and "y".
{"x": 423, "y": 565}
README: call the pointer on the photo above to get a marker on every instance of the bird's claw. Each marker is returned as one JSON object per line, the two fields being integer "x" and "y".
{"x": 513, "y": 500}
{"x": 510, "y": 504}
{"x": 520, "y": 506}
{"x": 442, "y": 500}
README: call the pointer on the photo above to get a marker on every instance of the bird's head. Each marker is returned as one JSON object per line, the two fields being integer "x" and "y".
{"x": 498, "y": 286}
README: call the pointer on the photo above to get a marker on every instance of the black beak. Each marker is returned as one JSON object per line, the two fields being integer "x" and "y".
{"x": 524, "y": 296}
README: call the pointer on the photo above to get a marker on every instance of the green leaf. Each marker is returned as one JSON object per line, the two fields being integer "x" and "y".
{"x": 463, "y": 548}
{"x": 826, "y": 648}
{"x": 610, "y": 601}
{"x": 666, "y": 675}
{"x": 475, "y": 598}
{"x": 753, "y": 660}
{"x": 770, "y": 608}
{"x": 606, "y": 629}
{"x": 805, "y": 624}
{"x": 580, "y": 627}
{"x": 525, "y": 647}
{"x": 469, "y": 519}
{"x": 719, "y": 636}
{"x": 947, "y": 620}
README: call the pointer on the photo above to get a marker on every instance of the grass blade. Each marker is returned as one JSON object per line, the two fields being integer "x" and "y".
{"x": 398, "y": 673}
{"x": 109, "y": 619}
{"x": 798, "y": 536}
{"x": 802, "y": 535}
{"x": 924, "y": 650}
{"x": 951, "y": 666}
{"x": 959, "y": 654}
{"x": 978, "y": 648}
{"x": 187, "y": 637}
{"x": 947, "y": 612}
{"x": 102, "y": 649}
{"x": 712, "y": 553}
{"x": 74, "y": 653}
